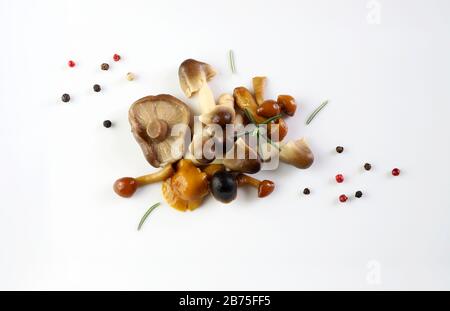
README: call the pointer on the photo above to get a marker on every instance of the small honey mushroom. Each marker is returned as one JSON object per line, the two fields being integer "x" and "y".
{"x": 277, "y": 130}
{"x": 127, "y": 186}
{"x": 265, "y": 187}
{"x": 287, "y": 104}
{"x": 268, "y": 109}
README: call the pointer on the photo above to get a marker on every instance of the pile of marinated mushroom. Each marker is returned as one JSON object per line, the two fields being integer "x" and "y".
{"x": 235, "y": 136}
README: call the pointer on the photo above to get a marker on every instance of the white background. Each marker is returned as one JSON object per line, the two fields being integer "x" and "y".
{"x": 62, "y": 227}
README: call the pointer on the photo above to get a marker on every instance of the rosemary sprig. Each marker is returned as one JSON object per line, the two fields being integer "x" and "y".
{"x": 274, "y": 118}
{"x": 231, "y": 60}
{"x": 151, "y": 209}
{"x": 315, "y": 112}
{"x": 257, "y": 131}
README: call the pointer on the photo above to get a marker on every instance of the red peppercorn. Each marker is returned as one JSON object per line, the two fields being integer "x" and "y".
{"x": 71, "y": 63}
{"x": 116, "y": 57}
{"x": 339, "y": 178}
{"x": 395, "y": 172}
{"x": 343, "y": 198}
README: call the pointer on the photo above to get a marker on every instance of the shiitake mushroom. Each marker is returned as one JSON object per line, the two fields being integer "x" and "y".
{"x": 224, "y": 186}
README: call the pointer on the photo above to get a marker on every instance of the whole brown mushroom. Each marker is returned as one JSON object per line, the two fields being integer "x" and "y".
{"x": 127, "y": 186}
{"x": 152, "y": 119}
{"x": 194, "y": 76}
{"x": 264, "y": 187}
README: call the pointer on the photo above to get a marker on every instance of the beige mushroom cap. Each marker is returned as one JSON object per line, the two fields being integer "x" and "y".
{"x": 297, "y": 153}
{"x": 152, "y": 119}
{"x": 193, "y": 75}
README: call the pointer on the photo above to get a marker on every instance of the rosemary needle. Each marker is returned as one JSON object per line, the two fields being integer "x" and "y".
{"x": 231, "y": 60}
{"x": 272, "y": 119}
{"x": 257, "y": 131}
{"x": 315, "y": 112}
{"x": 147, "y": 213}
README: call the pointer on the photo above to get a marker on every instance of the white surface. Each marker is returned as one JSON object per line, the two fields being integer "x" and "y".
{"x": 62, "y": 227}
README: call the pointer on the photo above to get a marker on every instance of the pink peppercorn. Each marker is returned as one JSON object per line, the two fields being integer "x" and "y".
{"x": 343, "y": 198}
{"x": 339, "y": 178}
{"x": 116, "y": 57}
{"x": 71, "y": 63}
{"x": 395, "y": 172}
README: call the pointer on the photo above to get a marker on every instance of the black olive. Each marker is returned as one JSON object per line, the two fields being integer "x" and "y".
{"x": 224, "y": 186}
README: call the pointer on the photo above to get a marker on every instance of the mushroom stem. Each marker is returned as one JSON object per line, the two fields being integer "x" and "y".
{"x": 265, "y": 187}
{"x": 259, "y": 86}
{"x": 239, "y": 120}
{"x": 206, "y": 98}
{"x": 157, "y": 129}
{"x": 161, "y": 175}
{"x": 127, "y": 186}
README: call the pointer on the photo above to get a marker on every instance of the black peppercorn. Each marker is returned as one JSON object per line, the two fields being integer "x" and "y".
{"x": 107, "y": 124}
{"x": 339, "y": 149}
{"x": 97, "y": 88}
{"x": 306, "y": 191}
{"x": 358, "y": 194}
{"x": 65, "y": 98}
{"x": 367, "y": 166}
{"x": 104, "y": 66}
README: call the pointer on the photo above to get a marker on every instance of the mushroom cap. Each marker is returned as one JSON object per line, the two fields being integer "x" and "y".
{"x": 245, "y": 100}
{"x": 152, "y": 119}
{"x": 297, "y": 153}
{"x": 221, "y": 115}
{"x": 193, "y": 74}
{"x": 201, "y": 150}
{"x": 189, "y": 182}
{"x": 226, "y": 99}
{"x": 176, "y": 202}
{"x": 241, "y": 158}
{"x": 186, "y": 189}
